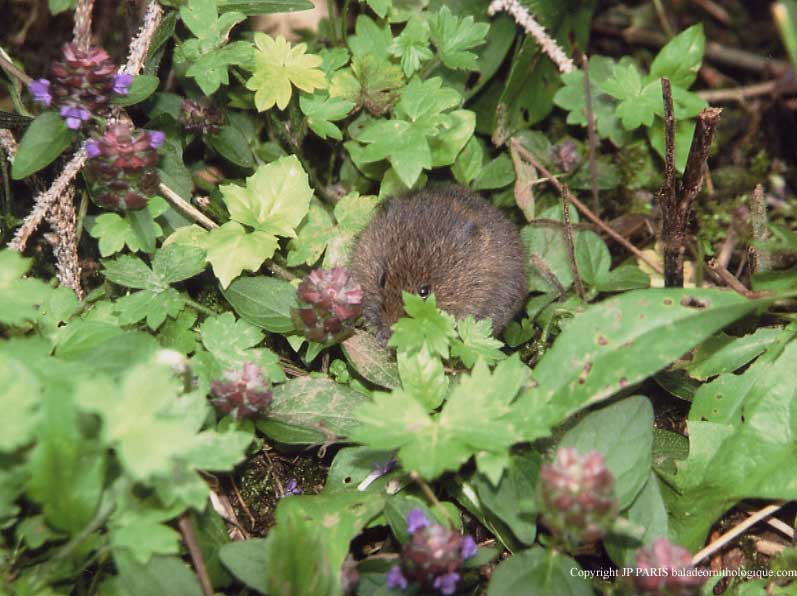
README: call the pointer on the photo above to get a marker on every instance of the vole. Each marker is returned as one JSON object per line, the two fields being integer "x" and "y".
{"x": 445, "y": 241}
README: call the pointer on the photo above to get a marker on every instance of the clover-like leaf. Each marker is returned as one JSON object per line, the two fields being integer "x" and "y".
{"x": 454, "y": 36}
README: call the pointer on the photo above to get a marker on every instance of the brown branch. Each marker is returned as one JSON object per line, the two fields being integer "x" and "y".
{"x": 190, "y": 539}
{"x": 187, "y": 208}
{"x": 739, "y": 94}
{"x": 592, "y": 137}
{"x": 761, "y": 256}
{"x": 7, "y": 65}
{"x": 672, "y": 233}
{"x": 692, "y": 180}
{"x": 584, "y": 209}
{"x": 571, "y": 249}
{"x": 543, "y": 269}
{"x": 44, "y": 201}
{"x": 728, "y": 279}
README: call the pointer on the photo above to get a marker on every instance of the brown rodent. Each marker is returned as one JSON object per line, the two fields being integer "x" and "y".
{"x": 447, "y": 241}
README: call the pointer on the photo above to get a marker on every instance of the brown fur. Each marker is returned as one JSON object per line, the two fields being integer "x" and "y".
{"x": 449, "y": 239}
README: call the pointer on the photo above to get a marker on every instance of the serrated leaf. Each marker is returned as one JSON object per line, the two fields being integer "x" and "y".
{"x": 19, "y": 401}
{"x": 322, "y": 111}
{"x": 231, "y": 250}
{"x": 211, "y": 70}
{"x": 639, "y": 101}
{"x": 454, "y": 36}
{"x": 423, "y": 377}
{"x": 476, "y": 341}
{"x": 154, "y": 306}
{"x": 370, "y": 39}
{"x": 44, "y": 140}
{"x": 412, "y": 46}
{"x": 278, "y": 66}
{"x": 371, "y": 360}
{"x": 424, "y": 326}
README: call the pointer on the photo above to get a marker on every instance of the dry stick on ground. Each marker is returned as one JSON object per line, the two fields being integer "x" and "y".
{"x": 739, "y": 94}
{"x": 584, "y": 209}
{"x": 761, "y": 257}
{"x": 190, "y": 539}
{"x": 591, "y": 136}
{"x": 187, "y": 208}
{"x": 571, "y": 249}
{"x": 736, "y": 531}
{"x": 728, "y": 279}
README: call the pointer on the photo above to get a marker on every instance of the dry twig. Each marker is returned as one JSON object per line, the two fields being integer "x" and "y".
{"x": 190, "y": 539}
{"x": 761, "y": 256}
{"x": 728, "y": 279}
{"x": 571, "y": 249}
{"x": 592, "y": 137}
{"x": 187, "y": 208}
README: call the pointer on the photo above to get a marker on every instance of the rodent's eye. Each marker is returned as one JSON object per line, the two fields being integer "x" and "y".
{"x": 424, "y": 292}
{"x": 382, "y": 279}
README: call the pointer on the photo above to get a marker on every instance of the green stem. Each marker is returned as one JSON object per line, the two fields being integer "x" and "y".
{"x": 81, "y": 214}
{"x": 344, "y": 21}
{"x": 199, "y": 307}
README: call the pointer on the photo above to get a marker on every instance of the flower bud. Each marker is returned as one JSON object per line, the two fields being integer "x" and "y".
{"x": 200, "y": 117}
{"x": 664, "y": 570}
{"x": 577, "y": 496}
{"x": 332, "y": 301}
{"x": 244, "y": 393}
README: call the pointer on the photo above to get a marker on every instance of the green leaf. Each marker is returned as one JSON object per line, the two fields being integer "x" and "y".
{"x": 539, "y": 572}
{"x": 454, "y": 36}
{"x": 278, "y": 66}
{"x": 621, "y": 341}
{"x": 308, "y": 410}
{"x": 681, "y": 58}
{"x": 140, "y": 89}
{"x": 114, "y": 231}
{"x": 232, "y": 146}
{"x": 370, "y": 39}
{"x": 627, "y": 450}
{"x": 20, "y": 299}
{"x": 59, "y": 6}
{"x": 19, "y": 401}
{"x": 725, "y": 353}
{"x": 210, "y": 70}
{"x": 639, "y": 101}
{"x": 371, "y": 360}
{"x": 474, "y": 419}
{"x": 322, "y": 110}
{"x": 423, "y": 377}
{"x": 424, "y": 326}
{"x": 453, "y": 136}
{"x": 256, "y": 7}
{"x": 44, "y": 140}
{"x": 175, "y": 263}
{"x": 476, "y": 341}
{"x": 67, "y": 470}
{"x": 412, "y": 46}
{"x": 131, "y": 272}
{"x": 684, "y": 131}
{"x": 513, "y": 499}
{"x": 202, "y": 19}
{"x": 154, "y": 306}
{"x": 247, "y": 561}
{"x": 572, "y": 97}
{"x": 263, "y": 301}
{"x": 275, "y": 199}
{"x": 160, "y": 575}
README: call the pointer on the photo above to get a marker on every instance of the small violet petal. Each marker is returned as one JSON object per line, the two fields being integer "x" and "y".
{"x": 395, "y": 579}
{"x": 73, "y": 123}
{"x": 416, "y": 520}
{"x": 121, "y": 83}
{"x": 469, "y": 548}
{"x": 40, "y": 89}
{"x": 93, "y": 149}
{"x": 156, "y": 138}
{"x": 446, "y": 584}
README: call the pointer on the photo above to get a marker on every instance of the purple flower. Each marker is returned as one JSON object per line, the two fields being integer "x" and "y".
{"x": 292, "y": 488}
{"x": 156, "y": 138}
{"x": 446, "y": 584}
{"x": 40, "y": 89}
{"x": 469, "y": 548}
{"x": 93, "y": 149}
{"x": 74, "y": 116}
{"x": 395, "y": 579}
{"x": 416, "y": 520}
{"x": 121, "y": 83}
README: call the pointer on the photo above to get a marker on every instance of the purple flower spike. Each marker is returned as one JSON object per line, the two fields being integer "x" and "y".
{"x": 40, "y": 89}
{"x": 156, "y": 138}
{"x": 469, "y": 548}
{"x": 93, "y": 149}
{"x": 121, "y": 83}
{"x": 395, "y": 579}
{"x": 446, "y": 584}
{"x": 416, "y": 520}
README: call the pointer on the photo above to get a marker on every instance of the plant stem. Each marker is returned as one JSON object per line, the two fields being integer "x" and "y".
{"x": 199, "y": 307}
